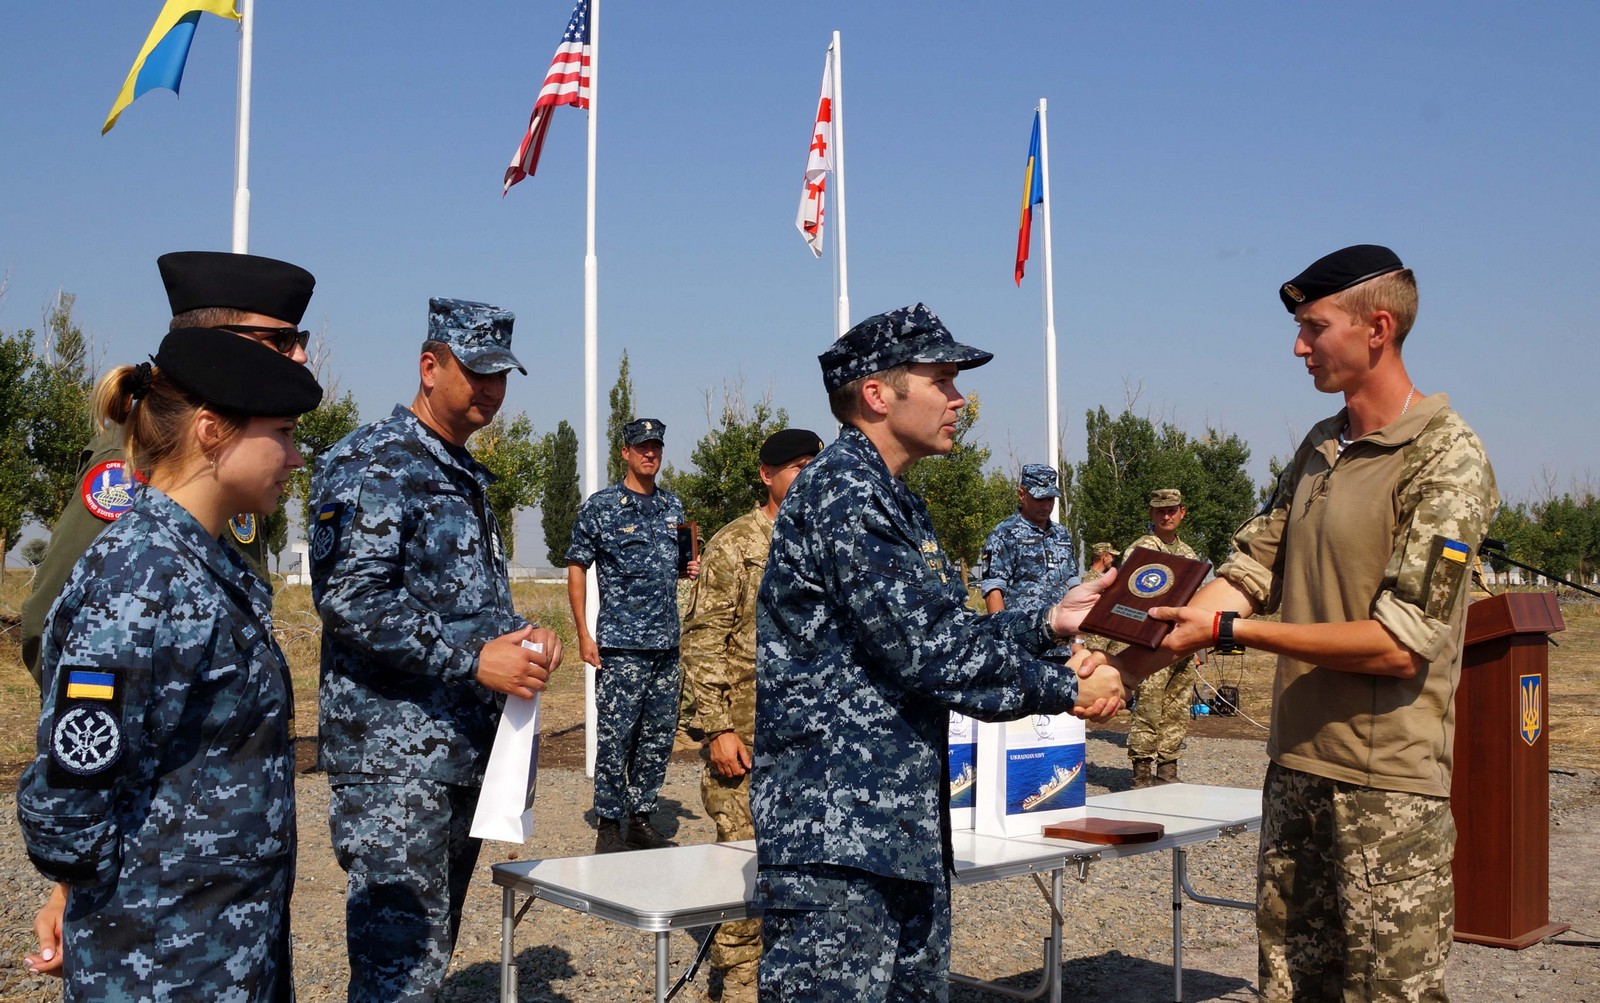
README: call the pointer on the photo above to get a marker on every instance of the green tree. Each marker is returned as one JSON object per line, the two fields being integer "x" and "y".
{"x": 60, "y": 423}
{"x": 17, "y": 481}
{"x": 724, "y": 482}
{"x": 33, "y": 550}
{"x": 954, "y": 488}
{"x": 621, "y": 413}
{"x": 1224, "y": 496}
{"x": 510, "y": 451}
{"x": 561, "y": 498}
{"x": 1130, "y": 456}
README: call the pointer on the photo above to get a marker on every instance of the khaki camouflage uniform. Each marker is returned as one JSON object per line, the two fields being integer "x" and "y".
{"x": 719, "y": 667}
{"x": 1355, "y": 895}
{"x": 1161, "y": 713}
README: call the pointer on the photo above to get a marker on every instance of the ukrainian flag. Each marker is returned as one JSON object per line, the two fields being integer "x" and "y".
{"x": 161, "y": 61}
{"x": 1455, "y": 550}
{"x": 83, "y": 685}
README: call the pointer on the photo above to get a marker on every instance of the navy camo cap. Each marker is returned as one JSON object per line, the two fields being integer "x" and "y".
{"x": 644, "y": 430}
{"x": 1039, "y": 480}
{"x": 479, "y": 335}
{"x": 909, "y": 334}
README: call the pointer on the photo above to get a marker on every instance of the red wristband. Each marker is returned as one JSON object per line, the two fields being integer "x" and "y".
{"x": 1216, "y": 626}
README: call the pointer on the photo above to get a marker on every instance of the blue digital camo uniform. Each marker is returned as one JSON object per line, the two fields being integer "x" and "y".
{"x": 864, "y": 645}
{"x": 409, "y": 575}
{"x": 163, "y": 791}
{"x": 1032, "y": 567}
{"x": 631, "y": 540}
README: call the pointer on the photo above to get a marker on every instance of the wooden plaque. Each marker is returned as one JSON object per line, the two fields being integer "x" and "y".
{"x": 1147, "y": 578}
{"x": 688, "y": 546}
{"x": 1106, "y": 831}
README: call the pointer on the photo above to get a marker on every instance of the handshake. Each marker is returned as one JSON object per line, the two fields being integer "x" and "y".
{"x": 1100, "y": 694}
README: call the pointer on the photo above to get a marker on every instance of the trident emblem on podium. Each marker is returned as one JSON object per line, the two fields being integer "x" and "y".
{"x": 1532, "y": 724}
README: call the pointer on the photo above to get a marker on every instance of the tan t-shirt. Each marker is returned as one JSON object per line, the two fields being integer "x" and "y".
{"x": 1386, "y": 532}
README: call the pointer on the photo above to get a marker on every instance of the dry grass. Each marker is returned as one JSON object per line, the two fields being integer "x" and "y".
{"x": 1574, "y": 674}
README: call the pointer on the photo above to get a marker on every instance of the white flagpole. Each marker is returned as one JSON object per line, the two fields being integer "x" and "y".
{"x": 591, "y": 389}
{"x": 241, "y": 147}
{"x": 843, "y": 324}
{"x": 1053, "y": 435}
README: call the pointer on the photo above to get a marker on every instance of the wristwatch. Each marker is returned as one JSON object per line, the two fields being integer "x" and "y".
{"x": 1225, "y": 630}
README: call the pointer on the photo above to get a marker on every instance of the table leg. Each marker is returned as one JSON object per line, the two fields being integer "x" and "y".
{"x": 661, "y": 966}
{"x": 1179, "y": 862}
{"x": 508, "y": 971}
{"x": 1052, "y": 955}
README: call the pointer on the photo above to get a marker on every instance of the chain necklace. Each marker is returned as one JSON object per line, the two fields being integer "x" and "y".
{"x": 1344, "y": 433}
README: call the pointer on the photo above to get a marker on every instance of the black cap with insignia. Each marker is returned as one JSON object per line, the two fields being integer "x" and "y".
{"x": 790, "y": 444}
{"x": 236, "y": 374}
{"x": 248, "y": 283}
{"x": 1336, "y": 272}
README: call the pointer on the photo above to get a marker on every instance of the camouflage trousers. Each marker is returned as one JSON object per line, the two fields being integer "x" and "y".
{"x": 636, "y": 711}
{"x": 736, "y": 946}
{"x": 1161, "y": 718}
{"x": 403, "y": 841}
{"x": 836, "y": 933}
{"x": 1354, "y": 899}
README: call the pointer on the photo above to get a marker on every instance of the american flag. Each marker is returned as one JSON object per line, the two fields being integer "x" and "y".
{"x": 566, "y": 82}
{"x": 819, "y": 162}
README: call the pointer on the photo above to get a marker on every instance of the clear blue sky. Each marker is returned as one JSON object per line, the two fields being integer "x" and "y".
{"x": 1201, "y": 154}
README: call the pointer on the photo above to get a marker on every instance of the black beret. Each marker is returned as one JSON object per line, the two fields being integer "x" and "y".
{"x": 245, "y": 282}
{"x": 789, "y": 444}
{"x": 1337, "y": 272}
{"x": 236, "y": 374}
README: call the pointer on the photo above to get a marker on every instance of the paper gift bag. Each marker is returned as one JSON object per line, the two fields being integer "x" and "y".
{"x": 505, "y": 803}
{"x": 1030, "y": 774}
{"x": 963, "y": 769}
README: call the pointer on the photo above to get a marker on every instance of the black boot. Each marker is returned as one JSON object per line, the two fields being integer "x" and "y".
{"x": 643, "y": 836}
{"x": 608, "y": 837}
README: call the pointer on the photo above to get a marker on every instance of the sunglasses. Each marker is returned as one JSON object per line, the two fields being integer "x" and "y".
{"x": 281, "y": 339}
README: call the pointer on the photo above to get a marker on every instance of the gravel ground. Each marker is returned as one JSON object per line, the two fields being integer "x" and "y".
{"x": 1117, "y": 947}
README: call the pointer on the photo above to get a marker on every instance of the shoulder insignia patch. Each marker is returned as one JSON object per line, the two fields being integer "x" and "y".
{"x": 86, "y": 738}
{"x": 325, "y": 533}
{"x": 107, "y": 490}
{"x": 243, "y": 527}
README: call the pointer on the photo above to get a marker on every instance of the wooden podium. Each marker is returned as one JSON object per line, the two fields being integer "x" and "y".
{"x": 1500, "y": 793}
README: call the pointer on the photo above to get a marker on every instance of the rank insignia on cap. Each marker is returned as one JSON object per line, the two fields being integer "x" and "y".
{"x": 107, "y": 490}
{"x": 325, "y": 533}
{"x": 1293, "y": 293}
{"x": 243, "y": 527}
{"x": 86, "y": 738}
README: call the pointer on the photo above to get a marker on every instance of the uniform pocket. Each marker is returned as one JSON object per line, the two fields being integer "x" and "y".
{"x": 1411, "y": 898}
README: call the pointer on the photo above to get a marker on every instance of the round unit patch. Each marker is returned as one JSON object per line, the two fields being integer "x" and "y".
{"x": 243, "y": 527}
{"x": 322, "y": 539}
{"x": 107, "y": 490}
{"x": 1150, "y": 581}
{"x": 86, "y": 740}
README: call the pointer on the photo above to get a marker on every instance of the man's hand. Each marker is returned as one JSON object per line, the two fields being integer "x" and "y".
{"x": 1191, "y": 628}
{"x": 1067, "y": 615}
{"x": 692, "y": 569}
{"x": 729, "y": 757}
{"x": 47, "y": 927}
{"x": 505, "y": 666}
{"x": 1100, "y": 694}
{"x": 588, "y": 650}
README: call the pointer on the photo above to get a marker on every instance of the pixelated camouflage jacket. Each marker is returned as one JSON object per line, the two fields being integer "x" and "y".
{"x": 633, "y": 542}
{"x": 864, "y": 645}
{"x": 719, "y": 636}
{"x": 1032, "y": 567}
{"x": 409, "y": 575}
{"x": 165, "y": 767}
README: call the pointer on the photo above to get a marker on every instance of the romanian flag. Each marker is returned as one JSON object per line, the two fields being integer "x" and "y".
{"x": 160, "y": 62}
{"x": 1032, "y": 195}
{"x": 82, "y": 685}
